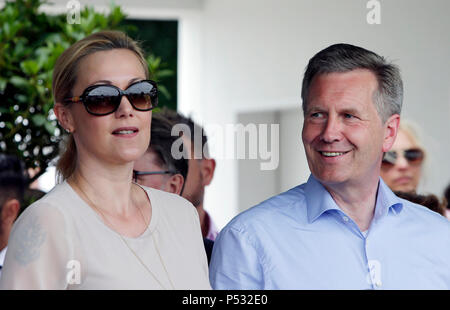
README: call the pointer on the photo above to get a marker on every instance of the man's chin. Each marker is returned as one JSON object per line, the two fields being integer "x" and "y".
{"x": 328, "y": 178}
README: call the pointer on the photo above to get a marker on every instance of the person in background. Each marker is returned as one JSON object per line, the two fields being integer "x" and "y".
{"x": 13, "y": 184}
{"x": 97, "y": 229}
{"x": 344, "y": 228}
{"x": 159, "y": 169}
{"x": 401, "y": 168}
{"x": 447, "y": 201}
{"x": 200, "y": 172}
{"x": 430, "y": 201}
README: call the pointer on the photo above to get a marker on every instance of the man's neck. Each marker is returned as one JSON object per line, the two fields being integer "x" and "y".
{"x": 203, "y": 219}
{"x": 356, "y": 200}
{"x": 3, "y": 243}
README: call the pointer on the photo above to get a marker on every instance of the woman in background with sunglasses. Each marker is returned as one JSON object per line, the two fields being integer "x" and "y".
{"x": 97, "y": 229}
{"x": 401, "y": 169}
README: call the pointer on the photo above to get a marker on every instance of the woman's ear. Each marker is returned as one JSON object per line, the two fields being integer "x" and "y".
{"x": 64, "y": 116}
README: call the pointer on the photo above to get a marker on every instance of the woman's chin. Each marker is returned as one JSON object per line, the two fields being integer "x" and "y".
{"x": 129, "y": 156}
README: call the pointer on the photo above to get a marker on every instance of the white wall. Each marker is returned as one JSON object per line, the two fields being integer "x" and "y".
{"x": 241, "y": 56}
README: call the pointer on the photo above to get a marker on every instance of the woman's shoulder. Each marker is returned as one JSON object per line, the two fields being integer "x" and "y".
{"x": 57, "y": 201}
{"x": 167, "y": 199}
{"x": 169, "y": 204}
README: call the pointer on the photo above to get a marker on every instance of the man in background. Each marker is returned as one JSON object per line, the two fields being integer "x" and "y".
{"x": 201, "y": 169}
{"x": 157, "y": 168}
{"x": 13, "y": 183}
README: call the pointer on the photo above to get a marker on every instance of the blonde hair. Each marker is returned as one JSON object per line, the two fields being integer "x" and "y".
{"x": 412, "y": 131}
{"x": 65, "y": 75}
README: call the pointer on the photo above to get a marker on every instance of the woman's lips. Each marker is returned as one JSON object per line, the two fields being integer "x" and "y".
{"x": 403, "y": 180}
{"x": 125, "y": 132}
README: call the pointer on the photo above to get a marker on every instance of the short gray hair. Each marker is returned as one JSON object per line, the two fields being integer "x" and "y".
{"x": 344, "y": 58}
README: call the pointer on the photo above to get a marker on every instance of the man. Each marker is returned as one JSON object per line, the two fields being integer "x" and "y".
{"x": 13, "y": 181}
{"x": 201, "y": 169}
{"x": 344, "y": 228}
{"x": 157, "y": 168}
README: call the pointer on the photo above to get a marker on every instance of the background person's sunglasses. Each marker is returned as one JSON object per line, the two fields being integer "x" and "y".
{"x": 138, "y": 173}
{"x": 413, "y": 156}
{"x": 104, "y": 99}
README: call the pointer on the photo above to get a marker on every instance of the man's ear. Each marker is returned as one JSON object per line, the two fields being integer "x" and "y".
{"x": 390, "y": 131}
{"x": 64, "y": 116}
{"x": 10, "y": 211}
{"x": 175, "y": 184}
{"x": 208, "y": 165}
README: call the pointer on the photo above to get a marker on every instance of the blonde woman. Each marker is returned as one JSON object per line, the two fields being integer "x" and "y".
{"x": 402, "y": 165}
{"x": 97, "y": 229}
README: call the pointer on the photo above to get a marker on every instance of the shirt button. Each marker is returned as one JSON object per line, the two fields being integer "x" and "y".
{"x": 345, "y": 218}
{"x": 378, "y": 283}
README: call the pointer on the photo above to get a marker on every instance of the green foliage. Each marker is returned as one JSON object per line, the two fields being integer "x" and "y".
{"x": 30, "y": 43}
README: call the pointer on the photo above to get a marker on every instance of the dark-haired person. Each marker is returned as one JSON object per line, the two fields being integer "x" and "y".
{"x": 201, "y": 169}
{"x": 344, "y": 228}
{"x": 447, "y": 201}
{"x": 430, "y": 201}
{"x": 158, "y": 168}
{"x": 13, "y": 182}
{"x": 97, "y": 229}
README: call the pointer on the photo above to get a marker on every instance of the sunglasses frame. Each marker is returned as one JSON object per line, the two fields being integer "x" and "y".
{"x": 389, "y": 158}
{"x": 84, "y": 95}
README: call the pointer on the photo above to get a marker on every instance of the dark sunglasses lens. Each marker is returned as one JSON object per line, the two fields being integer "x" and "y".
{"x": 142, "y": 95}
{"x": 390, "y": 158}
{"x": 102, "y": 100}
{"x": 414, "y": 156}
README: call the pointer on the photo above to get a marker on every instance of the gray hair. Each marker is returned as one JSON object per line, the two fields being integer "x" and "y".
{"x": 345, "y": 57}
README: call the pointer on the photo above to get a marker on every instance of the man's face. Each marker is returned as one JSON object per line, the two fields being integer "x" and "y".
{"x": 194, "y": 188}
{"x": 149, "y": 162}
{"x": 343, "y": 134}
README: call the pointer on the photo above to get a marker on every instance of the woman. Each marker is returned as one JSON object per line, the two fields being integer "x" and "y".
{"x": 402, "y": 165}
{"x": 97, "y": 229}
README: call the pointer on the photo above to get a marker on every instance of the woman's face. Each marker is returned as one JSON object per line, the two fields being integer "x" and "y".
{"x": 100, "y": 137}
{"x": 403, "y": 175}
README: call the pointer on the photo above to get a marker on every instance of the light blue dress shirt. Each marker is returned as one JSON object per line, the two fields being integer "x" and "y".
{"x": 301, "y": 239}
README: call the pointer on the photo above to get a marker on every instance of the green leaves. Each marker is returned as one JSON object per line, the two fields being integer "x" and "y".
{"x": 158, "y": 73}
{"x": 30, "y": 67}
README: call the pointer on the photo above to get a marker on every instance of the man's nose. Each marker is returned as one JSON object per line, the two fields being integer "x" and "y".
{"x": 332, "y": 130}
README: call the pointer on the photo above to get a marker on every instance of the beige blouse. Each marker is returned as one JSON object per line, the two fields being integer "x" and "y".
{"x": 59, "y": 242}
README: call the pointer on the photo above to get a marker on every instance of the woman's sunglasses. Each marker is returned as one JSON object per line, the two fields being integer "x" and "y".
{"x": 104, "y": 99}
{"x": 413, "y": 156}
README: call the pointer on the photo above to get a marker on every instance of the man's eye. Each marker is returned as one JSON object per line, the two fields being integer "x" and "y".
{"x": 349, "y": 116}
{"x": 316, "y": 115}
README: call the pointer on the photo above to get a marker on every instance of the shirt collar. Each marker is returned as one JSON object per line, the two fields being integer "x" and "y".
{"x": 2, "y": 255}
{"x": 386, "y": 200}
{"x": 319, "y": 200}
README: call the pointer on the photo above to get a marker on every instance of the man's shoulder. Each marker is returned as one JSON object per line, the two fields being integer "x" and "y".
{"x": 424, "y": 216}
{"x": 289, "y": 205}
